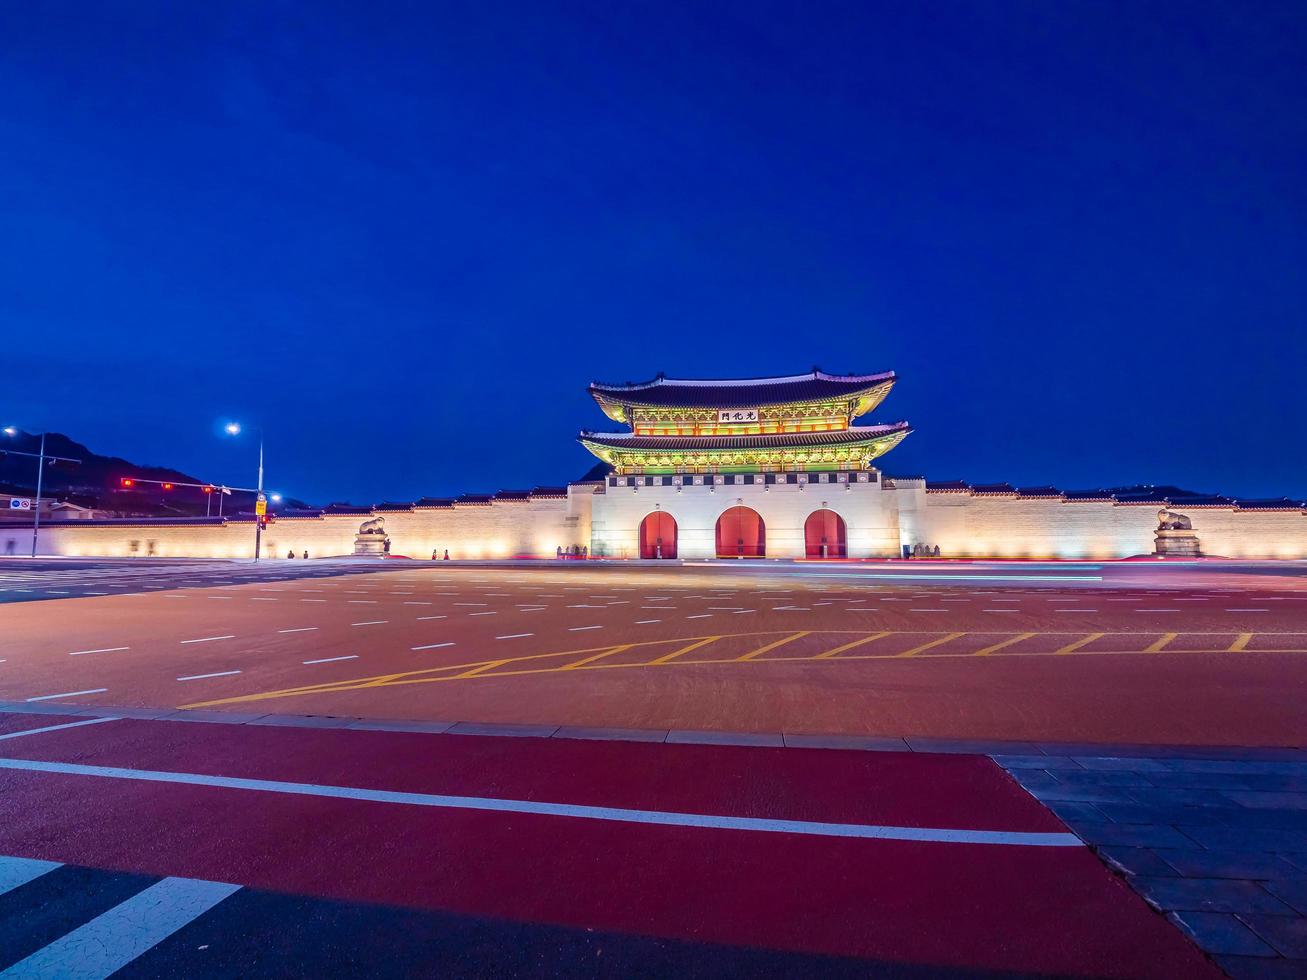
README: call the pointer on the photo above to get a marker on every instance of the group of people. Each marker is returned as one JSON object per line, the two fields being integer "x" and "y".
{"x": 436, "y": 557}
{"x": 291, "y": 553}
{"x": 573, "y": 551}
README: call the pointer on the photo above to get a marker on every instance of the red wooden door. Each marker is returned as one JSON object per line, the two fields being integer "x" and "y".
{"x": 741, "y": 533}
{"x": 658, "y": 535}
{"x": 825, "y": 528}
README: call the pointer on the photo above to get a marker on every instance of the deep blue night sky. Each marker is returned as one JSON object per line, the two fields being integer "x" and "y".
{"x": 405, "y": 237}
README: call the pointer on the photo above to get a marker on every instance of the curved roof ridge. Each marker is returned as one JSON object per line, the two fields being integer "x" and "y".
{"x": 728, "y": 382}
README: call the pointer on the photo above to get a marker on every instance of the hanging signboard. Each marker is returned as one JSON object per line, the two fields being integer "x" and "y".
{"x": 738, "y": 416}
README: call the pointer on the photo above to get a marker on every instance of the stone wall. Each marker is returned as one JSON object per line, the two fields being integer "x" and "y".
{"x": 533, "y": 527}
{"x": 881, "y": 517}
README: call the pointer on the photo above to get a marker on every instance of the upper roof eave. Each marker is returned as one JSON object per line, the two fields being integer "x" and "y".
{"x": 663, "y": 392}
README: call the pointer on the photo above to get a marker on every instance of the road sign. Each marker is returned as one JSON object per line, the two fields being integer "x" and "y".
{"x": 20, "y": 503}
{"x": 261, "y": 506}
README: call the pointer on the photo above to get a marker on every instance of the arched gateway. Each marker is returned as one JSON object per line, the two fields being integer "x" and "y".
{"x": 824, "y": 535}
{"x": 741, "y": 533}
{"x": 658, "y": 535}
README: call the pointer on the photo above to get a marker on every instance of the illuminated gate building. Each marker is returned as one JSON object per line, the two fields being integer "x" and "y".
{"x": 761, "y": 467}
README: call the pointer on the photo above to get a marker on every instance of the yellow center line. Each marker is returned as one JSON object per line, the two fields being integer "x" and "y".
{"x": 848, "y": 646}
{"x": 1085, "y": 640}
{"x": 1240, "y": 643}
{"x": 933, "y": 643}
{"x": 598, "y": 656}
{"x": 1158, "y": 645}
{"x": 752, "y": 654}
{"x": 685, "y": 649}
{"x": 490, "y": 665}
{"x": 1005, "y": 643}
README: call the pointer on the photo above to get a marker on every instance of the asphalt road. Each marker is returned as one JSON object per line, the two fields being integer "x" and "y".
{"x": 1125, "y": 653}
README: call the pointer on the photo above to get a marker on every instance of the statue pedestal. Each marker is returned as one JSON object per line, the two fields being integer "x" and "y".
{"x": 373, "y": 545}
{"x": 1177, "y": 544}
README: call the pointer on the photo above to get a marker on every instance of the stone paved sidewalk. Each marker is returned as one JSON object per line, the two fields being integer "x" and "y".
{"x": 1217, "y": 843}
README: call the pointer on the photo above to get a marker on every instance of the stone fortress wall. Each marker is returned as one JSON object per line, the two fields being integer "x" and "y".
{"x": 516, "y": 525}
{"x": 882, "y": 516}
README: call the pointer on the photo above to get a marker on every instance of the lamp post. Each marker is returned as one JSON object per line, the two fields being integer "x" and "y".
{"x": 40, "y": 458}
{"x": 261, "y": 502}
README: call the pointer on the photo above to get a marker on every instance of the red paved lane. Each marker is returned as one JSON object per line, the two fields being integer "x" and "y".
{"x": 991, "y": 906}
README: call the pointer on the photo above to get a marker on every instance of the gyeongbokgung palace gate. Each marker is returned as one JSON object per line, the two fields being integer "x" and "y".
{"x": 732, "y": 469}
{"x": 744, "y": 469}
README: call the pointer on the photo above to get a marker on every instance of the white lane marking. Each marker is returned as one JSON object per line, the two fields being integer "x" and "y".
{"x": 53, "y": 728}
{"x": 471, "y": 603}
{"x": 313, "y": 600}
{"x": 201, "y": 677}
{"x": 1080, "y": 609}
{"x": 798, "y": 608}
{"x": 700, "y": 616}
{"x": 491, "y": 613}
{"x": 585, "y": 606}
{"x": 416, "y": 602}
{"x": 260, "y": 598}
{"x": 207, "y": 639}
{"x": 928, "y": 610}
{"x": 658, "y": 608}
{"x": 78, "y": 653}
{"x": 741, "y": 612}
{"x": 217, "y": 597}
{"x": 1001, "y": 610}
{"x": 1247, "y": 610}
{"x": 298, "y": 629}
{"x": 15, "y": 871}
{"x": 724, "y": 609}
{"x": 69, "y": 694}
{"x": 421, "y": 618}
{"x": 372, "y": 622}
{"x": 578, "y": 629}
{"x": 1156, "y": 610}
{"x": 432, "y": 646}
{"x": 331, "y": 660}
{"x": 369, "y": 602}
{"x": 646, "y": 622}
{"x": 514, "y": 636}
{"x": 110, "y": 941}
{"x": 942, "y": 835}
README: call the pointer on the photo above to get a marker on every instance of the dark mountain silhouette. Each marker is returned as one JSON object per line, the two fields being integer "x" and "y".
{"x": 97, "y": 481}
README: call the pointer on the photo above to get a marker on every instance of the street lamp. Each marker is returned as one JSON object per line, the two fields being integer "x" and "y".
{"x": 41, "y": 459}
{"x": 261, "y": 502}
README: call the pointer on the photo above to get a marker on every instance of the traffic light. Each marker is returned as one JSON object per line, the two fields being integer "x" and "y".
{"x": 127, "y": 483}
{"x": 209, "y": 489}
{"x": 167, "y": 486}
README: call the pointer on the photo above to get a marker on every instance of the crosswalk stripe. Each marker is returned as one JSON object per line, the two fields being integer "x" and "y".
{"x": 110, "y": 941}
{"x": 16, "y": 871}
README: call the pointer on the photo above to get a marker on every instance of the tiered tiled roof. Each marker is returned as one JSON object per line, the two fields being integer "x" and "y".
{"x": 840, "y": 437}
{"x": 663, "y": 392}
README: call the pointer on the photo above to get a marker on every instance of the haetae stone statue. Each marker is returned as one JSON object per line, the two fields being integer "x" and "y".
{"x": 371, "y": 538}
{"x": 1170, "y": 521}
{"x": 1175, "y": 536}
